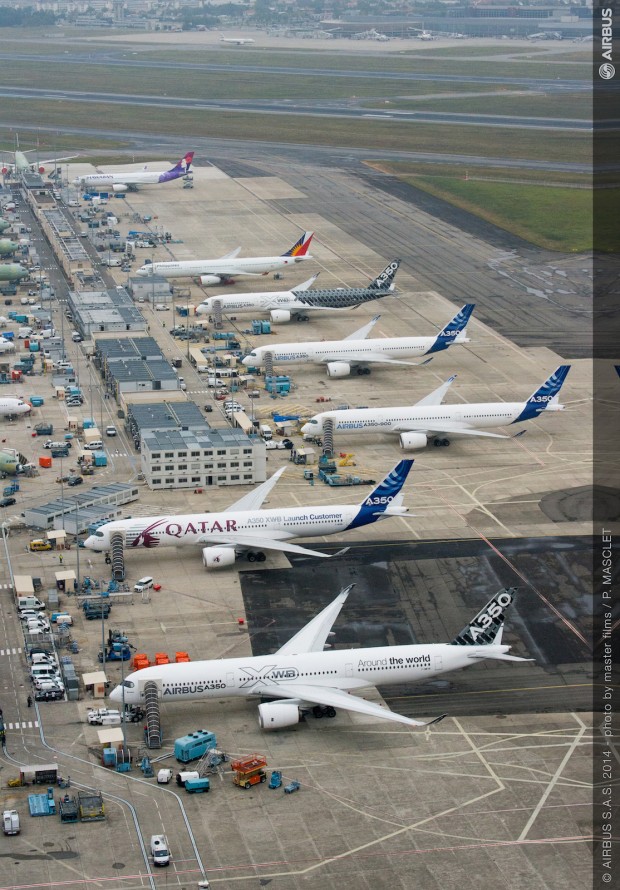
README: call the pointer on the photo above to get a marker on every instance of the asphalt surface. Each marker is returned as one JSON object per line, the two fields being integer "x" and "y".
{"x": 426, "y": 593}
{"x": 331, "y": 109}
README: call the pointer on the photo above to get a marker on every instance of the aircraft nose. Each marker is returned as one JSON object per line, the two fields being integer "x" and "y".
{"x": 116, "y": 694}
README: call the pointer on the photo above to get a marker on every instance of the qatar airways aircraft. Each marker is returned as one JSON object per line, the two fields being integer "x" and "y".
{"x": 355, "y": 351}
{"x": 130, "y": 180}
{"x": 415, "y": 424}
{"x": 294, "y": 304}
{"x": 301, "y": 677}
{"x": 244, "y": 527}
{"x": 229, "y": 267}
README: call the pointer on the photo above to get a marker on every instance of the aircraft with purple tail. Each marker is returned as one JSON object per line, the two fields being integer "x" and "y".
{"x": 130, "y": 180}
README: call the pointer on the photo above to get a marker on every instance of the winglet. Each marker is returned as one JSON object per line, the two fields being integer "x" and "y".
{"x": 363, "y": 332}
{"x": 437, "y": 396}
{"x": 305, "y": 285}
{"x": 313, "y": 636}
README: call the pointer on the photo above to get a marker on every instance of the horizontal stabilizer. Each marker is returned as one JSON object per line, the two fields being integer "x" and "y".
{"x": 497, "y": 656}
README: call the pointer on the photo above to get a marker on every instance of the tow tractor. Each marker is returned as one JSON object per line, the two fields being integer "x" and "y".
{"x": 249, "y": 771}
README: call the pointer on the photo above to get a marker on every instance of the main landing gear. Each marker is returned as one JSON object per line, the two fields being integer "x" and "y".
{"x": 319, "y": 711}
{"x": 362, "y": 371}
{"x": 256, "y": 556}
{"x": 438, "y": 443}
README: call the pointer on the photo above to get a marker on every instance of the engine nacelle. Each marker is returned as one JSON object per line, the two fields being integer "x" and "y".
{"x": 210, "y": 279}
{"x": 277, "y": 715}
{"x": 218, "y": 557}
{"x": 412, "y": 441}
{"x": 280, "y": 316}
{"x": 338, "y": 369}
{"x": 119, "y": 187}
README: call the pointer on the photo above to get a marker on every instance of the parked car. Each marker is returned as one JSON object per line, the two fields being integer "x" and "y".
{"x": 74, "y": 403}
{"x": 94, "y": 446}
{"x": 65, "y": 444}
{"x": 7, "y": 502}
{"x": 49, "y": 694}
{"x": 110, "y": 430}
{"x": 75, "y": 480}
{"x": 46, "y": 685}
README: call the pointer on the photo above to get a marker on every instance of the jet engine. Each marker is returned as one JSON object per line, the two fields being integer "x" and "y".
{"x": 119, "y": 187}
{"x": 210, "y": 279}
{"x": 277, "y": 715}
{"x": 338, "y": 369}
{"x": 280, "y": 316}
{"x": 412, "y": 441}
{"x": 217, "y": 557}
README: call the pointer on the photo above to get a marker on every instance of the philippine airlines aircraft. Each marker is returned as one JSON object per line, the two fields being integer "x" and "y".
{"x": 357, "y": 352}
{"x": 229, "y": 267}
{"x": 296, "y": 303}
{"x": 122, "y": 182}
{"x": 300, "y": 676}
{"x": 236, "y": 41}
{"x": 429, "y": 418}
{"x": 244, "y": 527}
{"x": 10, "y": 407}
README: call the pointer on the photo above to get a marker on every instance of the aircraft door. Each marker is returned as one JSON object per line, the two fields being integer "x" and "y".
{"x": 438, "y": 663}
{"x": 348, "y": 670}
{"x": 230, "y": 680}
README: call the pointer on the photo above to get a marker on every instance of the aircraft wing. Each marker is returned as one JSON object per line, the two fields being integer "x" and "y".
{"x": 362, "y": 333}
{"x": 56, "y": 160}
{"x": 256, "y": 542}
{"x": 313, "y": 636}
{"x": 437, "y": 396}
{"x": 446, "y": 427}
{"x": 233, "y": 253}
{"x": 255, "y": 498}
{"x": 363, "y": 357}
{"x": 337, "y": 698}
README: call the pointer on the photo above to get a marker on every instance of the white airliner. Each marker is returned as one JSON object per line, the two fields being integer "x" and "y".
{"x": 21, "y": 164}
{"x": 296, "y": 303}
{"x": 229, "y": 267}
{"x": 415, "y": 424}
{"x": 244, "y": 527}
{"x": 357, "y": 352}
{"x": 6, "y": 345}
{"x": 301, "y": 677}
{"x": 10, "y": 407}
{"x": 236, "y": 41}
{"x": 129, "y": 180}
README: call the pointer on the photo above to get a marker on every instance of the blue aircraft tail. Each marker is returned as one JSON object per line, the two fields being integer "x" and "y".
{"x": 385, "y": 279}
{"x": 544, "y": 395}
{"x": 386, "y": 493}
{"x": 453, "y": 329}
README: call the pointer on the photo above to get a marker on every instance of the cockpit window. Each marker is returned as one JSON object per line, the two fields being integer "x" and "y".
{"x": 129, "y": 684}
{"x": 99, "y": 534}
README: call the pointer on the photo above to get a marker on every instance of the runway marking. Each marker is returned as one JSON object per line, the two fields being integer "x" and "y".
{"x": 24, "y": 724}
{"x": 554, "y": 779}
{"x": 14, "y": 651}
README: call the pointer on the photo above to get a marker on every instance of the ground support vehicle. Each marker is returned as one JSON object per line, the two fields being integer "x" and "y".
{"x": 249, "y": 771}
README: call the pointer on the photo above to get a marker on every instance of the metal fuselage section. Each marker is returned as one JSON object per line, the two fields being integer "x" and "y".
{"x": 262, "y": 675}
{"x": 209, "y": 528}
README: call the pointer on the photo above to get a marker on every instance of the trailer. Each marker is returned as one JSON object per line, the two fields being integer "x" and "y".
{"x": 249, "y": 771}
{"x": 68, "y": 809}
{"x": 197, "y": 786}
{"x": 192, "y": 746}
{"x": 90, "y": 806}
{"x": 42, "y": 804}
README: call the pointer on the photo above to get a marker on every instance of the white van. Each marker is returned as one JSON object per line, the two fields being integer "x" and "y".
{"x": 29, "y": 602}
{"x": 43, "y": 658}
{"x": 159, "y": 849}
{"x": 143, "y": 584}
{"x": 266, "y": 431}
{"x": 44, "y": 672}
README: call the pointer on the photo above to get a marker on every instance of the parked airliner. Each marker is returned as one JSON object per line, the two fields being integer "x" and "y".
{"x": 415, "y": 424}
{"x": 129, "y": 180}
{"x": 229, "y": 267}
{"x": 244, "y": 527}
{"x": 10, "y": 407}
{"x": 301, "y": 677}
{"x": 355, "y": 351}
{"x": 297, "y": 302}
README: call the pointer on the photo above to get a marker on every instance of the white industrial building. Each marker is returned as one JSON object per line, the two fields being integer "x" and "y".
{"x": 183, "y": 458}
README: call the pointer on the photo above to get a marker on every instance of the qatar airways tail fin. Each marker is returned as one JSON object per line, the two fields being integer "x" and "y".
{"x": 301, "y": 246}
